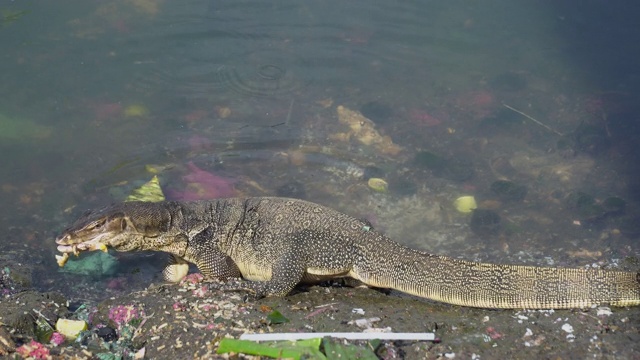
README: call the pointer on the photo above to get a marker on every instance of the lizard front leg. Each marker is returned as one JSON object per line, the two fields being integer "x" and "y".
{"x": 213, "y": 264}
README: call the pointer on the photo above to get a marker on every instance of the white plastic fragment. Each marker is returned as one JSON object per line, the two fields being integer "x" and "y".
{"x": 344, "y": 335}
{"x": 604, "y": 311}
{"x": 567, "y": 328}
{"x": 358, "y": 311}
{"x": 364, "y": 323}
{"x": 139, "y": 355}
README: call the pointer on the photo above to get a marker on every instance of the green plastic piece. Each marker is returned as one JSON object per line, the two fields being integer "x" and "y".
{"x": 277, "y": 318}
{"x": 301, "y": 349}
{"x": 95, "y": 264}
{"x": 150, "y": 191}
{"x": 334, "y": 349}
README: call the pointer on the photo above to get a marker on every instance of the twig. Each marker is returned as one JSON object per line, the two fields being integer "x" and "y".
{"x": 288, "y": 120}
{"x": 534, "y": 120}
{"x": 137, "y": 331}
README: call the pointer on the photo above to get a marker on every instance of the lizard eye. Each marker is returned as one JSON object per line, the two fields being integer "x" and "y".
{"x": 96, "y": 225}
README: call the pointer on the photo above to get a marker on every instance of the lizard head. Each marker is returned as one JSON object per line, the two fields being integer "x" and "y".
{"x": 122, "y": 227}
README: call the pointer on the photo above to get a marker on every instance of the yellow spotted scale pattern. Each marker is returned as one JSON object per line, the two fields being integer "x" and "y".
{"x": 277, "y": 243}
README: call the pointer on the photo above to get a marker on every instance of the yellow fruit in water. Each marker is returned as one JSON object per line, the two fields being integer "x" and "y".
{"x": 223, "y": 112}
{"x": 465, "y": 204}
{"x": 136, "y": 110}
{"x": 70, "y": 328}
{"x": 378, "y": 184}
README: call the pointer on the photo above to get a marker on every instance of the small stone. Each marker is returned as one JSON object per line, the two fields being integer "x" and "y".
{"x": 107, "y": 334}
{"x": 567, "y": 328}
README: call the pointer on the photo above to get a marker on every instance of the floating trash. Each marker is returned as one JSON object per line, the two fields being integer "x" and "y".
{"x": 70, "y": 328}
{"x": 378, "y": 184}
{"x": 150, "y": 191}
{"x": 465, "y": 204}
{"x": 136, "y": 110}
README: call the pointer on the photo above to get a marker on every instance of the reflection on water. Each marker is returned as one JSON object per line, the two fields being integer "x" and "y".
{"x": 249, "y": 98}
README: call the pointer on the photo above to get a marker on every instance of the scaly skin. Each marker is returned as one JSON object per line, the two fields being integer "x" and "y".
{"x": 277, "y": 243}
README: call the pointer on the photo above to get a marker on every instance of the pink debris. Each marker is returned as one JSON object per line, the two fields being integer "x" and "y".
{"x": 203, "y": 185}
{"x": 424, "y": 118}
{"x": 200, "y": 292}
{"x": 123, "y": 314}
{"x": 193, "y": 278}
{"x": 493, "y": 333}
{"x": 34, "y": 350}
{"x": 57, "y": 339}
{"x": 178, "y": 306}
{"x": 209, "y": 307}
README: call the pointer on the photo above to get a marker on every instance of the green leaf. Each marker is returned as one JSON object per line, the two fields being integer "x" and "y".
{"x": 107, "y": 356}
{"x": 277, "y": 318}
{"x": 334, "y": 349}
{"x": 301, "y": 349}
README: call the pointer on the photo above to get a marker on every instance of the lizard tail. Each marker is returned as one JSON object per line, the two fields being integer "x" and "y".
{"x": 487, "y": 285}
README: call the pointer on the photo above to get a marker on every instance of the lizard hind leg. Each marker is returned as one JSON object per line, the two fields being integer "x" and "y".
{"x": 176, "y": 269}
{"x": 286, "y": 273}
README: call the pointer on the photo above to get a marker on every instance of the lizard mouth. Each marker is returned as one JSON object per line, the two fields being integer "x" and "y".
{"x": 67, "y": 246}
{"x": 64, "y": 245}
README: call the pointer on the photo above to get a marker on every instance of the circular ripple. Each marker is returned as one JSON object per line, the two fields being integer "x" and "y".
{"x": 263, "y": 74}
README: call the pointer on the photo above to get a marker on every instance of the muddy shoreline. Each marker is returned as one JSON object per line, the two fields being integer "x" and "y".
{"x": 189, "y": 319}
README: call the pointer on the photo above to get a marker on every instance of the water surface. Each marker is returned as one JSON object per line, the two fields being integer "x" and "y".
{"x": 96, "y": 94}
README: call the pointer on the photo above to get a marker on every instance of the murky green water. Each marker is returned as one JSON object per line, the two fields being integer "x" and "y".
{"x": 241, "y": 98}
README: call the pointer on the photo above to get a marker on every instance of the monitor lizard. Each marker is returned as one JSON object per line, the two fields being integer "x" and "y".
{"x": 277, "y": 243}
